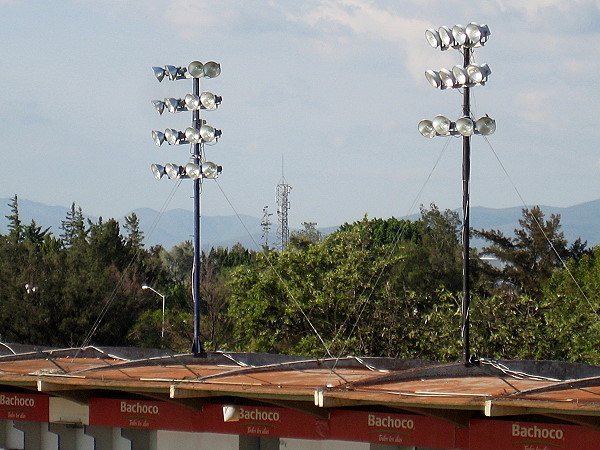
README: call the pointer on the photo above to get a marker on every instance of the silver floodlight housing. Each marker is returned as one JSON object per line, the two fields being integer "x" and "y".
{"x": 485, "y": 125}
{"x": 211, "y": 170}
{"x": 159, "y": 105}
{"x": 193, "y": 171}
{"x": 465, "y": 126}
{"x": 426, "y": 128}
{"x": 158, "y": 137}
{"x": 158, "y": 171}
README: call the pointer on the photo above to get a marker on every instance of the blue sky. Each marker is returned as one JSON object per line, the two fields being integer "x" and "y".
{"x": 335, "y": 88}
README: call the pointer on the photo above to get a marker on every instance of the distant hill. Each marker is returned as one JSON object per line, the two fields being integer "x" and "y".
{"x": 176, "y": 226}
{"x": 172, "y": 228}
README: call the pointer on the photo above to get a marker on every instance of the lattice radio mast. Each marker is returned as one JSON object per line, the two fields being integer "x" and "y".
{"x": 283, "y": 206}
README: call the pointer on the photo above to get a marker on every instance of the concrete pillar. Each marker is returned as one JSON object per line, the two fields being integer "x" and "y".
{"x": 140, "y": 439}
{"x": 10, "y": 437}
{"x": 106, "y": 438}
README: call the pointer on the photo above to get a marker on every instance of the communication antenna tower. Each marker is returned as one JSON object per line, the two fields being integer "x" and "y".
{"x": 266, "y": 226}
{"x": 283, "y": 206}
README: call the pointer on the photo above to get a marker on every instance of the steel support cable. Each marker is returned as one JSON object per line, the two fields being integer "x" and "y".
{"x": 395, "y": 241}
{"x": 562, "y": 261}
{"x": 121, "y": 280}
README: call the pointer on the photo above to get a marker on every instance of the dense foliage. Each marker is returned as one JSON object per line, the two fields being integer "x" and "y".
{"x": 373, "y": 288}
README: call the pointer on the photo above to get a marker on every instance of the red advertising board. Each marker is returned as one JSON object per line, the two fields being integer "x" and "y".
{"x": 26, "y": 407}
{"x": 151, "y": 415}
{"x": 506, "y": 434}
{"x": 392, "y": 429}
{"x": 264, "y": 421}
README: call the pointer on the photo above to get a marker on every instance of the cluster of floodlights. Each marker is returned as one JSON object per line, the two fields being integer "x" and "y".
{"x": 195, "y": 69}
{"x": 460, "y": 38}
{"x": 444, "y": 38}
{"x": 200, "y": 132}
{"x": 191, "y": 102}
{"x": 465, "y": 126}
{"x": 191, "y": 135}
{"x": 191, "y": 170}
{"x": 459, "y": 77}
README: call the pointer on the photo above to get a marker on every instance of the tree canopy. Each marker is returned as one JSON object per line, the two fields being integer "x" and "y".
{"x": 375, "y": 287}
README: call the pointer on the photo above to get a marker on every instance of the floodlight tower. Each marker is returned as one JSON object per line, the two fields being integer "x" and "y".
{"x": 463, "y": 39}
{"x": 198, "y": 168}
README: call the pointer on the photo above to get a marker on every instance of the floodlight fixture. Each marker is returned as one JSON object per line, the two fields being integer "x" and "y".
{"x": 193, "y": 171}
{"x": 460, "y": 75}
{"x": 446, "y": 38}
{"x": 174, "y": 105}
{"x": 209, "y": 134}
{"x": 477, "y": 34}
{"x": 158, "y": 171}
{"x": 193, "y": 135}
{"x": 175, "y": 137}
{"x": 211, "y": 170}
{"x": 459, "y": 34}
{"x": 485, "y": 125}
{"x": 210, "y": 101}
{"x": 478, "y": 74}
{"x": 158, "y": 137}
{"x": 192, "y": 102}
{"x": 212, "y": 69}
{"x": 426, "y": 128}
{"x": 434, "y": 78}
{"x": 442, "y": 125}
{"x": 174, "y": 171}
{"x": 159, "y": 105}
{"x": 465, "y": 126}
{"x": 433, "y": 37}
{"x": 159, "y": 73}
{"x": 447, "y": 79}
{"x": 175, "y": 73}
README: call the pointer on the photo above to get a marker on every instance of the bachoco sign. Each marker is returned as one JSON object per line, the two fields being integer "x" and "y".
{"x": 26, "y": 407}
{"x": 150, "y": 415}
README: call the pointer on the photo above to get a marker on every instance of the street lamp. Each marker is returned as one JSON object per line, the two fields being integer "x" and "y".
{"x": 162, "y": 329}
{"x": 462, "y": 77}
{"x": 198, "y": 168}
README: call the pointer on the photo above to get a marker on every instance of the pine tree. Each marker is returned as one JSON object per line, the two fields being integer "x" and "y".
{"x": 73, "y": 227}
{"x": 135, "y": 236}
{"x": 15, "y": 227}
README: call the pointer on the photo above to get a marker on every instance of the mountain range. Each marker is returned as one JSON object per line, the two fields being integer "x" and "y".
{"x": 175, "y": 226}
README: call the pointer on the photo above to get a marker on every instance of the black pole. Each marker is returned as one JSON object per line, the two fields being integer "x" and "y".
{"x": 197, "y": 348}
{"x": 466, "y": 170}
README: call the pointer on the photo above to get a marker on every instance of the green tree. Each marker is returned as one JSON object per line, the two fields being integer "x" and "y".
{"x": 15, "y": 227}
{"x": 135, "y": 236}
{"x": 572, "y": 309}
{"x": 530, "y": 257}
{"x": 73, "y": 226}
{"x": 309, "y": 234}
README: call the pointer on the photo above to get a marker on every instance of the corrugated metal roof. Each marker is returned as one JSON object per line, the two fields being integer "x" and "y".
{"x": 454, "y": 392}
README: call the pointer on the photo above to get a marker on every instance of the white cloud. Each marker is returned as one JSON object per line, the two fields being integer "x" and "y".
{"x": 532, "y": 106}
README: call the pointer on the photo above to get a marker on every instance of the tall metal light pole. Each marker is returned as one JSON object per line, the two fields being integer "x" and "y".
{"x": 198, "y": 168}
{"x": 466, "y": 76}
